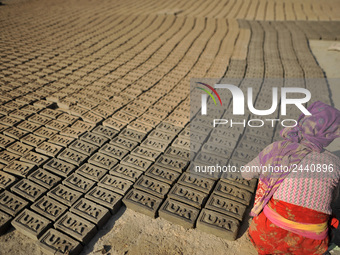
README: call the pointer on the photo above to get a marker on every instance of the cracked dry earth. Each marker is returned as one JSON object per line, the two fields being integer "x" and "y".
{"x": 96, "y": 127}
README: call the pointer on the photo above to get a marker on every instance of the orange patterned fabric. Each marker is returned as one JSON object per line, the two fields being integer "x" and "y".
{"x": 271, "y": 239}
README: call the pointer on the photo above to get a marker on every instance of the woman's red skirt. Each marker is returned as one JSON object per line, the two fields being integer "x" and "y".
{"x": 271, "y": 239}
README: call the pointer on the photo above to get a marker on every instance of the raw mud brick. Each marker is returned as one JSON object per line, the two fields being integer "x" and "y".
{"x": 124, "y": 143}
{"x": 194, "y": 128}
{"x": 6, "y": 180}
{"x": 28, "y": 126}
{"x": 126, "y": 172}
{"x": 54, "y": 242}
{"x": 5, "y": 222}
{"x": 136, "y": 162}
{"x": 210, "y": 159}
{"x": 218, "y": 224}
{"x": 168, "y": 128}
{"x": 181, "y": 142}
{"x": 33, "y": 140}
{"x": 31, "y": 224}
{"x": 32, "y": 108}
{"x": 92, "y": 117}
{"x": 83, "y": 147}
{"x": 91, "y": 172}
{"x": 56, "y": 125}
{"x": 13, "y": 132}
{"x": 44, "y": 178}
{"x": 245, "y": 156}
{"x": 92, "y": 212}
{"x": 114, "y": 183}
{"x": 61, "y": 140}
{"x": 133, "y": 135}
{"x": 114, "y": 124}
{"x": 79, "y": 183}
{"x": 152, "y": 186}
{"x": 226, "y": 206}
{"x": 224, "y": 142}
{"x": 11, "y": 204}
{"x": 197, "y": 137}
{"x": 162, "y": 174}
{"x": 178, "y": 153}
{"x": 261, "y": 141}
{"x": 7, "y": 157}
{"x": 49, "y": 149}
{"x": 106, "y": 198}
{"x": 188, "y": 195}
{"x": 19, "y": 148}
{"x": 155, "y": 144}
{"x": 28, "y": 189}
{"x": 216, "y": 150}
{"x": 142, "y": 202}
{"x": 67, "y": 118}
{"x": 175, "y": 164}
{"x": 196, "y": 182}
{"x": 3, "y": 127}
{"x": 105, "y": 131}
{"x": 59, "y": 167}
{"x": 123, "y": 116}
{"x": 39, "y": 119}
{"x": 5, "y": 141}
{"x": 50, "y": 113}
{"x": 225, "y": 133}
{"x": 10, "y": 121}
{"x": 77, "y": 227}
{"x": 72, "y": 132}
{"x": 82, "y": 125}
{"x": 146, "y": 153}
{"x": 140, "y": 126}
{"x": 161, "y": 136}
{"x": 72, "y": 156}
{"x": 49, "y": 208}
{"x": 20, "y": 168}
{"x": 102, "y": 160}
{"x": 237, "y": 180}
{"x": 93, "y": 138}
{"x": 46, "y": 132}
{"x": 113, "y": 151}
{"x": 249, "y": 146}
{"x": 178, "y": 213}
{"x": 64, "y": 194}
{"x": 232, "y": 192}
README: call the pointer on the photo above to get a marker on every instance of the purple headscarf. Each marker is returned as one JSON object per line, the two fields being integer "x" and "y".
{"x": 312, "y": 133}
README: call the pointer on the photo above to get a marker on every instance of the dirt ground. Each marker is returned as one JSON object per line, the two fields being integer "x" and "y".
{"x": 133, "y": 233}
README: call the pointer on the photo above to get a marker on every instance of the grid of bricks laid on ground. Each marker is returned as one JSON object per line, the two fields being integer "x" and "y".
{"x": 95, "y": 107}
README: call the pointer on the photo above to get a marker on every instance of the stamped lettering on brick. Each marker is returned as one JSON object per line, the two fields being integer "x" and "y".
{"x": 142, "y": 202}
{"x": 106, "y": 198}
{"x": 116, "y": 184}
{"x": 126, "y": 172}
{"x": 218, "y": 224}
{"x": 44, "y": 178}
{"x": 226, "y": 206}
{"x": 196, "y": 182}
{"x": 11, "y": 203}
{"x": 72, "y": 156}
{"x": 77, "y": 227}
{"x": 137, "y": 162}
{"x": 188, "y": 195}
{"x": 49, "y": 208}
{"x": 91, "y": 211}
{"x": 64, "y": 194}
{"x": 59, "y": 167}
{"x": 54, "y": 242}
{"x": 28, "y": 190}
{"x": 31, "y": 224}
{"x": 91, "y": 171}
{"x": 102, "y": 160}
{"x": 152, "y": 186}
{"x": 178, "y": 213}
{"x": 79, "y": 183}
{"x": 162, "y": 174}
